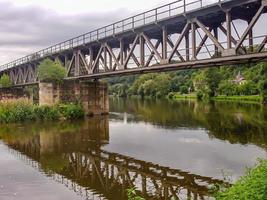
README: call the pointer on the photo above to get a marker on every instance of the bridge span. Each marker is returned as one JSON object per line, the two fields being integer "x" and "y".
{"x": 184, "y": 34}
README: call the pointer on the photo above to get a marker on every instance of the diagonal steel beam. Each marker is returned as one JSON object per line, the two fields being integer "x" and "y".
{"x": 152, "y": 46}
{"x": 250, "y": 26}
{"x": 185, "y": 30}
{"x": 131, "y": 51}
{"x": 262, "y": 45}
{"x": 112, "y": 54}
{"x": 152, "y": 54}
{"x": 208, "y": 33}
{"x": 97, "y": 59}
{"x": 176, "y": 52}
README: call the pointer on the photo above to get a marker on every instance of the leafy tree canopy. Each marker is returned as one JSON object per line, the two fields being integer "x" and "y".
{"x": 5, "y": 81}
{"x": 49, "y": 71}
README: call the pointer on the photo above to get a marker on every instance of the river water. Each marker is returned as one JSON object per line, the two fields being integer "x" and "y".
{"x": 166, "y": 150}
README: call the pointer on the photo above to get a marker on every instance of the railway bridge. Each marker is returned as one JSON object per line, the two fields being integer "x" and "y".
{"x": 185, "y": 34}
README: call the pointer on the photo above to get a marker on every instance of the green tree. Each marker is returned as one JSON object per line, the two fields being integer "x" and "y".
{"x": 263, "y": 89}
{"x": 5, "y": 81}
{"x": 49, "y": 71}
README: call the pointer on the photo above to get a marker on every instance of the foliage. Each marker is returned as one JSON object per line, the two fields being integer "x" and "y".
{"x": 71, "y": 111}
{"x": 49, "y": 71}
{"x": 46, "y": 113}
{"x": 5, "y": 81}
{"x": 251, "y": 186}
{"x": 132, "y": 195}
{"x": 21, "y": 110}
{"x": 263, "y": 89}
{"x": 204, "y": 83}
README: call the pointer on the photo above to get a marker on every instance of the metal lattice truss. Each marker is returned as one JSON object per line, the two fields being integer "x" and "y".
{"x": 224, "y": 33}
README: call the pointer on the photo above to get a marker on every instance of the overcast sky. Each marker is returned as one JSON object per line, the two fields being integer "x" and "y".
{"x": 30, "y": 25}
{"x": 27, "y": 26}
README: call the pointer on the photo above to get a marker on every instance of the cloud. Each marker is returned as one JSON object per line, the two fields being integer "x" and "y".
{"x": 31, "y": 28}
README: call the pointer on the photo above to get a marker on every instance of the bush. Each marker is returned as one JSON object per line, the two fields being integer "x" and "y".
{"x": 21, "y": 110}
{"x": 251, "y": 186}
{"x": 15, "y": 111}
{"x": 46, "y": 113}
{"x": 5, "y": 81}
{"x": 263, "y": 89}
{"x": 71, "y": 111}
{"x": 49, "y": 71}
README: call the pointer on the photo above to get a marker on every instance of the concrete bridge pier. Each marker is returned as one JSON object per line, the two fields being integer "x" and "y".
{"x": 92, "y": 95}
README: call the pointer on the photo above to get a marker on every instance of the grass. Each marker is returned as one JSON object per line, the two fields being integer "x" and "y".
{"x": 249, "y": 99}
{"x": 252, "y": 186}
{"x": 245, "y": 99}
{"x": 21, "y": 110}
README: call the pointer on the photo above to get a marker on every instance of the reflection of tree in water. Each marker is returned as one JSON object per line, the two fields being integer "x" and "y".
{"x": 72, "y": 155}
{"x": 237, "y": 123}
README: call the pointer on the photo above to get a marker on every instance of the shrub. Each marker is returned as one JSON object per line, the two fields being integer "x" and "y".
{"x": 263, "y": 89}
{"x": 15, "y": 110}
{"x": 5, "y": 81}
{"x": 21, "y": 110}
{"x": 46, "y": 113}
{"x": 251, "y": 186}
{"x": 72, "y": 111}
{"x": 49, "y": 71}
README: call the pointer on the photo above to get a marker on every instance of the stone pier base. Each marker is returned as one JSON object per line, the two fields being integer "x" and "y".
{"x": 92, "y": 95}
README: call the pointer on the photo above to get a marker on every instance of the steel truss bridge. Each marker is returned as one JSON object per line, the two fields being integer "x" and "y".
{"x": 98, "y": 171}
{"x": 185, "y": 34}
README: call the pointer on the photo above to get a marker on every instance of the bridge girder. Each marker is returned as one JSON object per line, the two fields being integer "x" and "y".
{"x": 189, "y": 40}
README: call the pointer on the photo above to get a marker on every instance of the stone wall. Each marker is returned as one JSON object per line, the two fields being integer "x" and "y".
{"x": 13, "y": 93}
{"x": 92, "y": 95}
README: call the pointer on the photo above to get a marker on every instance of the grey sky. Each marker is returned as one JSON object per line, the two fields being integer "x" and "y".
{"x": 27, "y": 26}
{"x": 30, "y": 25}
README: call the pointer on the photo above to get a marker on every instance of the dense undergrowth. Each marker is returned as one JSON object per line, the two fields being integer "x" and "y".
{"x": 22, "y": 110}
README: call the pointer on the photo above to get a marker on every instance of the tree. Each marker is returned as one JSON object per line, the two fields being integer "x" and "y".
{"x": 49, "y": 71}
{"x": 263, "y": 88}
{"x": 5, "y": 81}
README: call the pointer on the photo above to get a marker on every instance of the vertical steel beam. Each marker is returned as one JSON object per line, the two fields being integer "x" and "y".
{"x": 121, "y": 52}
{"x": 250, "y": 39}
{"x": 164, "y": 43}
{"x": 228, "y": 29}
{"x": 142, "y": 51}
{"x": 193, "y": 32}
{"x": 215, "y": 30}
{"x": 187, "y": 47}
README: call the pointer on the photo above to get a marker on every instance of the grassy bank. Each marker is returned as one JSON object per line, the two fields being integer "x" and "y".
{"x": 245, "y": 99}
{"x": 249, "y": 99}
{"x": 251, "y": 186}
{"x": 12, "y": 111}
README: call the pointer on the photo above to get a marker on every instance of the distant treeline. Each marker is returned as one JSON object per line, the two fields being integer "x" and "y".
{"x": 250, "y": 79}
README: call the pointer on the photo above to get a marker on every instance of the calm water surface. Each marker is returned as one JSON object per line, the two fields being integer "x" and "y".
{"x": 167, "y": 150}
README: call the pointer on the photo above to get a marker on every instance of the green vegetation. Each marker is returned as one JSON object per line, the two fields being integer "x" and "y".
{"x": 23, "y": 110}
{"x": 5, "y": 81}
{"x": 251, "y": 186}
{"x": 132, "y": 195}
{"x": 49, "y": 71}
{"x": 246, "y": 81}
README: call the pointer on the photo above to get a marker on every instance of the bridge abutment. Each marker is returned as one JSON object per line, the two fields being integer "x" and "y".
{"x": 92, "y": 95}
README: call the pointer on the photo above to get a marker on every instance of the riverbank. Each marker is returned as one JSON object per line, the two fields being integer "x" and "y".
{"x": 251, "y": 186}
{"x": 243, "y": 99}
{"x": 21, "y": 110}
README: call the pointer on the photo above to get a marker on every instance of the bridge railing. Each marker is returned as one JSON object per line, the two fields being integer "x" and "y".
{"x": 149, "y": 17}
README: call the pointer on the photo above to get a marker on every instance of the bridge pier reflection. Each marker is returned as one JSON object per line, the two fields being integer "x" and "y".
{"x": 73, "y": 155}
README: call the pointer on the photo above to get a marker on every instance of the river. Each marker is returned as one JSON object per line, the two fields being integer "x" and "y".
{"x": 166, "y": 150}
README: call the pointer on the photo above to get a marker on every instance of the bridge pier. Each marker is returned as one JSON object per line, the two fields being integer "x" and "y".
{"x": 92, "y": 95}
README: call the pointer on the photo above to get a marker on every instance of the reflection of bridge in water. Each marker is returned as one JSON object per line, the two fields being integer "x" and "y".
{"x": 97, "y": 174}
